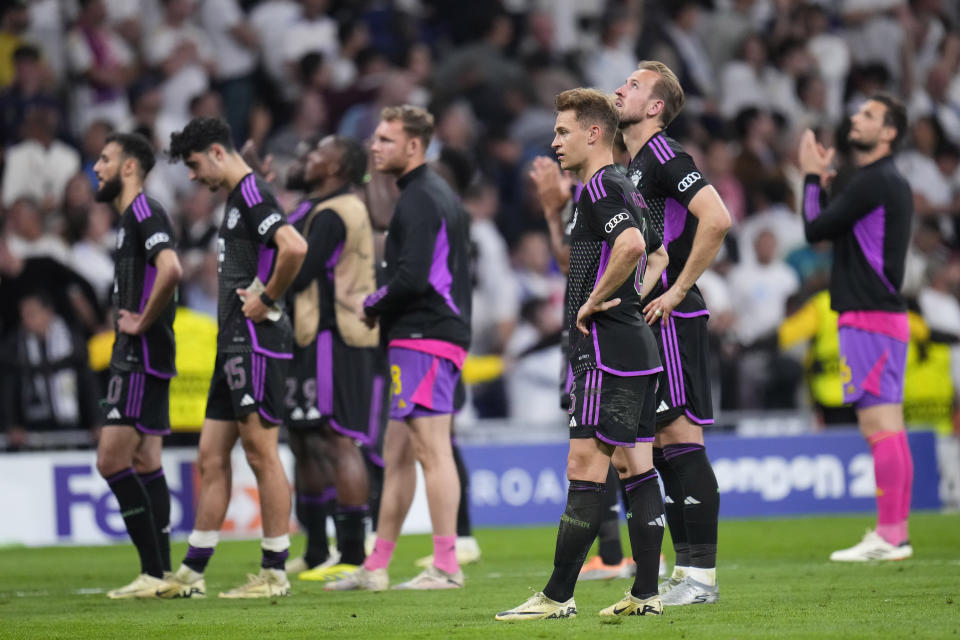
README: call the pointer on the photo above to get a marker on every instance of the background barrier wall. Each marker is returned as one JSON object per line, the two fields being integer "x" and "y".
{"x": 58, "y": 497}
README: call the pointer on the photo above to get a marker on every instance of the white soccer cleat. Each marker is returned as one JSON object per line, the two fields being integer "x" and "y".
{"x": 185, "y": 583}
{"x": 674, "y": 580}
{"x": 466, "y": 548}
{"x": 690, "y": 591}
{"x": 296, "y": 565}
{"x": 873, "y": 547}
{"x": 633, "y": 606}
{"x": 269, "y": 583}
{"x": 433, "y": 578}
{"x": 361, "y": 580}
{"x": 539, "y": 607}
{"x": 144, "y": 586}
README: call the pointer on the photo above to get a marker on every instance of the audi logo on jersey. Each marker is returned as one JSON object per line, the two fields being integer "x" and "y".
{"x": 615, "y": 220}
{"x": 688, "y": 181}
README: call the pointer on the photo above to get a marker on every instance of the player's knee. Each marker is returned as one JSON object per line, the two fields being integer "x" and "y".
{"x": 107, "y": 465}
{"x": 211, "y": 464}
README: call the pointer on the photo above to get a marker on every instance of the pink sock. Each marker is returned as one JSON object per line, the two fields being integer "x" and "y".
{"x": 382, "y": 553}
{"x": 445, "y": 553}
{"x": 907, "y": 489}
{"x": 893, "y": 474}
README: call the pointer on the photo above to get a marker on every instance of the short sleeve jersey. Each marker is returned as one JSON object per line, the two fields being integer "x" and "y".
{"x": 620, "y": 341}
{"x": 145, "y": 231}
{"x": 667, "y": 178}
{"x": 246, "y": 251}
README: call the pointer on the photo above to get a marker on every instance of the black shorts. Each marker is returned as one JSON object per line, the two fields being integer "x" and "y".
{"x": 618, "y": 410}
{"x": 345, "y": 387}
{"x": 138, "y": 400}
{"x": 244, "y": 383}
{"x": 684, "y": 351}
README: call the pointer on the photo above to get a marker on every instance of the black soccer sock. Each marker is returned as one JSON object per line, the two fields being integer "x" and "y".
{"x": 350, "y": 521}
{"x": 312, "y": 515}
{"x": 578, "y": 528}
{"x": 464, "y": 529}
{"x": 155, "y": 483}
{"x": 645, "y": 522}
{"x": 275, "y": 560}
{"x": 608, "y": 536}
{"x": 376, "y": 490}
{"x": 137, "y": 515}
{"x": 701, "y": 501}
{"x": 673, "y": 505}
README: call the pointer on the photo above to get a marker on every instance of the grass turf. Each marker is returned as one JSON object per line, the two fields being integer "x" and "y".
{"x": 774, "y": 577}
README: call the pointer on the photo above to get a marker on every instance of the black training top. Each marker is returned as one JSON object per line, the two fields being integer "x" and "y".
{"x": 620, "y": 341}
{"x": 428, "y": 289}
{"x": 145, "y": 231}
{"x": 667, "y": 178}
{"x": 869, "y": 223}
{"x": 246, "y": 250}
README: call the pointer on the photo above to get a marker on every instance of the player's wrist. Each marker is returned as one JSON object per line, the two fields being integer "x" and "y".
{"x": 266, "y": 299}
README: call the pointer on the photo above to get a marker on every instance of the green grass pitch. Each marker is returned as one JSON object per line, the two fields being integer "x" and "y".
{"x": 775, "y": 582}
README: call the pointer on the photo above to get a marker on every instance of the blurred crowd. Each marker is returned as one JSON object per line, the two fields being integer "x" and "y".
{"x": 283, "y": 72}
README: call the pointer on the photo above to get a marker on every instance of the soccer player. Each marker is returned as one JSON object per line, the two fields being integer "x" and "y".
{"x": 693, "y": 221}
{"x": 138, "y": 395}
{"x": 615, "y": 364}
{"x": 424, "y": 314}
{"x": 259, "y": 256}
{"x": 869, "y": 223}
{"x": 336, "y": 392}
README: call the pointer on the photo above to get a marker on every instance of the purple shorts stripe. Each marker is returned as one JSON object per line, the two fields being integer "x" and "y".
{"x": 692, "y": 314}
{"x": 586, "y": 398}
{"x": 120, "y": 475}
{"x": 266, "y": 416}
{"x": 650, "y": 439}
{"x": 376, "y": 407}
{"x": 266, "y": 352}
{"x": 151, "y": 432}
{"x": 668, "y": 361}
{"x": 678, "y": 361}
{"x": 603, "y": 438}
{"x": 325, "y": 373}
{"x": 596, "y": 404}
{"x": 350, "y": 433}
{"x": 697, "y": 420}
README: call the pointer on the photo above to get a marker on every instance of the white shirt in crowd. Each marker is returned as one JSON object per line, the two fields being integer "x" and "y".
{"x": 38, "y": 172}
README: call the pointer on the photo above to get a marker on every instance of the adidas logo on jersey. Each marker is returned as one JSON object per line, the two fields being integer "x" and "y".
{"x": 246, "y": 401}
{"x": 296, "y": 414}
{"x": 573, "y": 422}
{"x": 667, "y": 500}
{"x": 114, "y": 414}
{"x": 663, "y": 406}
{"x": 313, "y": 413}
{"x": 691, "y": 500}
{"x": 657, "y": 522}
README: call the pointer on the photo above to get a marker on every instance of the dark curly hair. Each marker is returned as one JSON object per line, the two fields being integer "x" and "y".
{"x": 353, "y": 159}
{"x": 198, "y": 135}
{"x": 134, "y": 145}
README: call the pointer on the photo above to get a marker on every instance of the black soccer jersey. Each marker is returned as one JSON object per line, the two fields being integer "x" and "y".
{"x": 246, "y": 251}
{"x": 620, "y": 341}
{"x": 869, "y": 222}
{"x": 144, "y": 232}
{"x": 668, "y": 179}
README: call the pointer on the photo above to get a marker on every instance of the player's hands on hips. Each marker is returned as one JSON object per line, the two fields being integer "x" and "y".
{"x": 361, "y": 312}
{"x": 129, "y": 322}
{"x": 813, "y": 157}
{"x": 591, "y": 307}
{"x": 661, "y": 307}
{"x": 253, "y": 307}
{"x": 553, "y": 184}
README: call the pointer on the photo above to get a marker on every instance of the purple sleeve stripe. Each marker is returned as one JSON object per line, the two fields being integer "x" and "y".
{"x": 299, "y": 212}
{"x": 603, "y": 190}
{"x": 254, "y": 190}
{"x": 667, "y": 151}
{"x": 656, "y": 151}
{"x": 375, "y": 297}
{"x": 811, "y": 201}
{"x": 589, "y": 187}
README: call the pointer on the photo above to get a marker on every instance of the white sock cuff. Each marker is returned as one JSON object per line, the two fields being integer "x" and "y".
{"x": 279, "y": 543}
{"x": 204, "y": 539}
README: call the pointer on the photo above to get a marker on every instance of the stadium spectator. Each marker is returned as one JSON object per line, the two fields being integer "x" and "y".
{"x": 31, "y": 83}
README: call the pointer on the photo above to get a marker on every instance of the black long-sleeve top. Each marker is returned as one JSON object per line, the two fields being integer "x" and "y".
{"x": 427, "y": 290}
{"x": 869, "y": 223}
